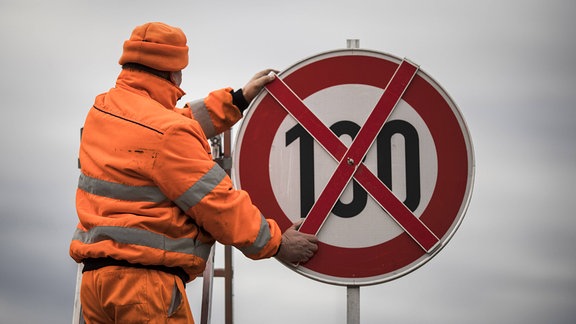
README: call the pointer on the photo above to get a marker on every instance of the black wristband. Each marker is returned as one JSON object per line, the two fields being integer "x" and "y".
{"x": 239, "y": 101}
{"x": 277, "y": 251}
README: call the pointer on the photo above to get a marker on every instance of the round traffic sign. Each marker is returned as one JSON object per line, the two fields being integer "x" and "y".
{"x": 369, "y": 151}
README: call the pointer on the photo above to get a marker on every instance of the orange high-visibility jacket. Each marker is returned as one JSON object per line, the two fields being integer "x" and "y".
{"x": 149, "y": 192}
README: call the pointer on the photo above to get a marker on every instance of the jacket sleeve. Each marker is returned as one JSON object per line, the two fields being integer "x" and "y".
{"x": 186, "y": 174}
{"x": 216, "y": 113}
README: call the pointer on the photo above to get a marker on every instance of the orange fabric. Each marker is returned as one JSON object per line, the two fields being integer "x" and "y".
{"x": 132, "y": 295}
{"x": 225, "y": 116}
{"x": 133, "y": 137}
{"x": 158, "y": 46}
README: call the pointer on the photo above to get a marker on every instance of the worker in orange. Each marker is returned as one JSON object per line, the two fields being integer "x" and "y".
{"x": 151, "y": 201}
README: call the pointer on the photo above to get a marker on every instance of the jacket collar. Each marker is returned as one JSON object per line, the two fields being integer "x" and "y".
{"x": 146, "y": 84}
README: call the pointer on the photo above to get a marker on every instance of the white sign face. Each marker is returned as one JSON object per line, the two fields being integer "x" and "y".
{"x": 352, "y": 108}
{"x": 366, "y": 148}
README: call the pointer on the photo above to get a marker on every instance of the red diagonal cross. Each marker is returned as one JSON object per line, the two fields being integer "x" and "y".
{"x": 349, "y": 160}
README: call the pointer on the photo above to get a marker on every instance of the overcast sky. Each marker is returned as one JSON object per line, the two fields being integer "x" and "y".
{"x": 509, "y": 66}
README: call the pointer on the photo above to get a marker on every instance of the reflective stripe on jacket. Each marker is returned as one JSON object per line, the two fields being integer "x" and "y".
{"x": 149, "y": 191}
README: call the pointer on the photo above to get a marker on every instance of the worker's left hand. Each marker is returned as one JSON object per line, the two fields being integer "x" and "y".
{"x": 258, "y": 81}
{"x": 297, "y": 247}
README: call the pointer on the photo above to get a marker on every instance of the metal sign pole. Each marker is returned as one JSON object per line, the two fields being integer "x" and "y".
{"x": 353, "y": 305}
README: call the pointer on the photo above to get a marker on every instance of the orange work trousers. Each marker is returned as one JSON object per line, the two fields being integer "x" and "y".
{"x": 116, "y": 294}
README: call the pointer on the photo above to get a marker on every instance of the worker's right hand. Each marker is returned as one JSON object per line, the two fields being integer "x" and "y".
{"x": 258, "y": 81}
{"x": 297, "y": 247}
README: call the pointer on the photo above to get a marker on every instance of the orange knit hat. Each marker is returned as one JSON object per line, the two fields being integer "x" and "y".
{"x": 156, "y": 45}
